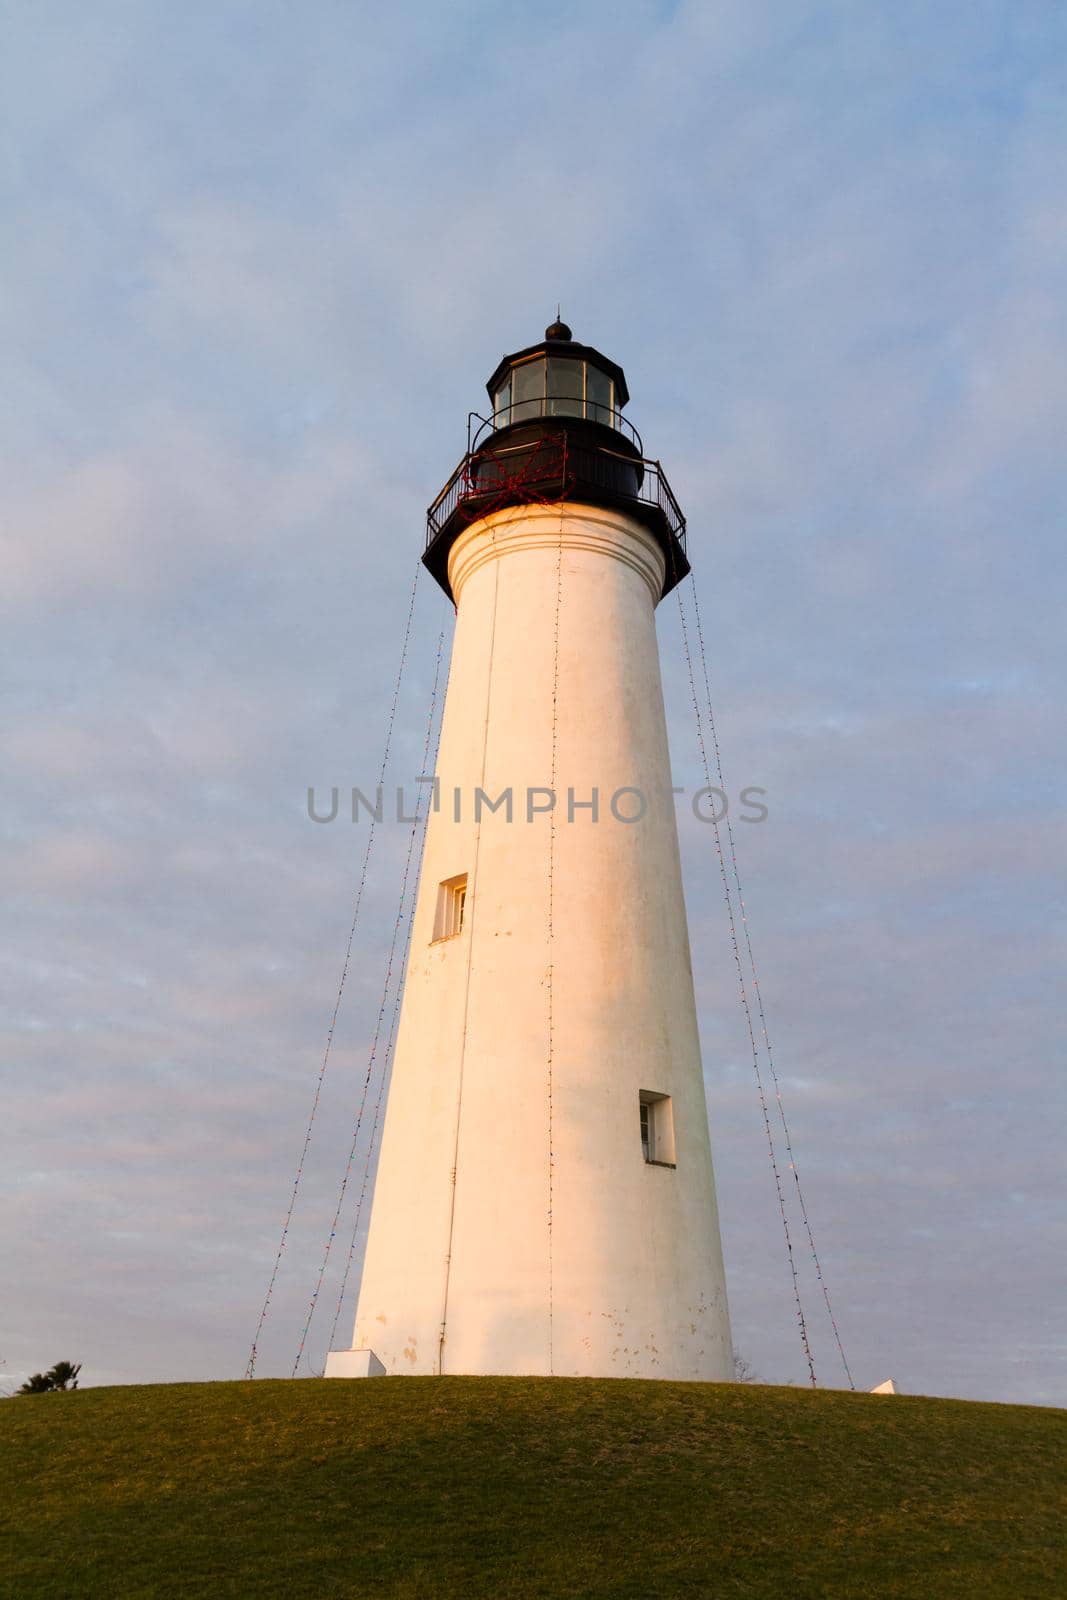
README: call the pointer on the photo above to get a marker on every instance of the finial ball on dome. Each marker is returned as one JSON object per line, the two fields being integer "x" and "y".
{"x": 558, "y": 330}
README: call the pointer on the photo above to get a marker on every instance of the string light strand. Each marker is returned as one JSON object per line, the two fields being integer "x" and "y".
{"x": 419, "y": 822}
{"x": 765, "y": 1032}
{"x": 391, "y": 968}
{"x": 250, "y": 1369}
{"x": 746, "y": 1008}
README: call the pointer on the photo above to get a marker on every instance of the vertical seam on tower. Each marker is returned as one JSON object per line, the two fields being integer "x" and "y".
{"x": 473, "y": 900}
{"x": 551, "y": 951}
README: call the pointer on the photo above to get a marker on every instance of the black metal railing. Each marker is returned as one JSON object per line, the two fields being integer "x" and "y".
{"x": 520, "y": 411}
{"x": 551, "y": 474}
{"x": 447, "y": 503}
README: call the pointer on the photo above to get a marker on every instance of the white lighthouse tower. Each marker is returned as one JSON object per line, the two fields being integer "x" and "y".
{"x": 545, "y": 1200}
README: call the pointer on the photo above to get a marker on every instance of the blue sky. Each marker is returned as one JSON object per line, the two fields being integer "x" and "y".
{"x": 258, "y": 262}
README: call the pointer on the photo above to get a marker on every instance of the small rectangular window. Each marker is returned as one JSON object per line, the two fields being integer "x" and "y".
{"x": 528, "y": 390}
{"x": 657, "y": 1128}
{"x": 451, "y": 906}
{"x": 564, "y": 388}
{"x": 598, "y": 396}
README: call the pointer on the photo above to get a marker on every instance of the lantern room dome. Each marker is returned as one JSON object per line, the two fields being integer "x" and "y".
{"x": 556, "y": 432}
{"x": 557, "y": 378}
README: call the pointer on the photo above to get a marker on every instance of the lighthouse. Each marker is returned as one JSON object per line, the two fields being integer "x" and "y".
{"x": 545, "y": 1202}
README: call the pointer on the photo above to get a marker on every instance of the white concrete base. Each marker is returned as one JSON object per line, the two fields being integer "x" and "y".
{"x": 353, "y": 1364}
{"x": 888, "y": 1387}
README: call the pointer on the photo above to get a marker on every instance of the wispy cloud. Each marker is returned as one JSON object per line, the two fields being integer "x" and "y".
{"x": 258, "y": 266}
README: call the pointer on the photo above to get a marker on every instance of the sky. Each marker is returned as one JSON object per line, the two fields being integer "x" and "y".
{"x": 258, "y": 262}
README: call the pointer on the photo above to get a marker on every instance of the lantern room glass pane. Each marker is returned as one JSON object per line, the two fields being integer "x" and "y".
{"x": 598, "y": 395}
{"x": 502, "y": 404}
{"x": 528, "y": 390}
{"x": 565, "y": 388}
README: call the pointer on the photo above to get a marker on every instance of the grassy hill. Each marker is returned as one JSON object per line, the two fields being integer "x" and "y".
{"x": 504, "y": 1487}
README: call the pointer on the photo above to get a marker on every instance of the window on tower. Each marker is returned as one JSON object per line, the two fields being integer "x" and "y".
{"x": 502, "y": 404}
{"x": 599, "y": 396}
{"x": 657, "y": 1128}
{"x": 528, "y": 390}
{"x": 451, "y": 907}
{"x": 565, "y": 388}
{"x": 557, "y": 387}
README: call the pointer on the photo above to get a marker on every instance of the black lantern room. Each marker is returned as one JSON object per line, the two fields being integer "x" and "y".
{"x": 556, "y": 432}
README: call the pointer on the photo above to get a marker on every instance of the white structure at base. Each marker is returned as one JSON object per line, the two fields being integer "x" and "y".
{"x": 544, "y": 1200}
{"x": 888, "y": 1387}
{"x": 353, "y": 1364}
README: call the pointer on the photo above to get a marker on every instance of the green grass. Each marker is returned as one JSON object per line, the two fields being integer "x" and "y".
{"x": 415, "y": 1487}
